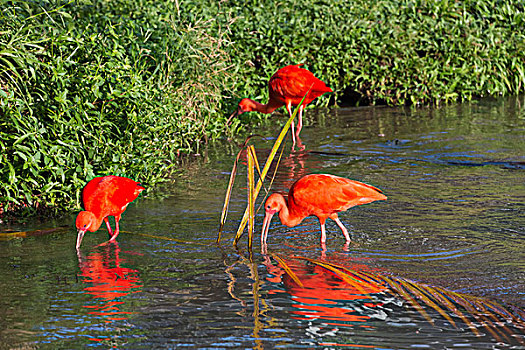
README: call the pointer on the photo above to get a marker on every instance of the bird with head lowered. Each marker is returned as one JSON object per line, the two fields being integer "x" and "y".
{"x": 287, "y": 87}
{"x": 321, "y": 195}
{"x": 105, "y": 196}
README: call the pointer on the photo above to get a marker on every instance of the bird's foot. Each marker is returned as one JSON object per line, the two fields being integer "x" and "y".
{"x": 300, "y": 148}
{"x": 113, "y": 237}
{"x": 352, "y": 243}
{"x": 102, "y": 244}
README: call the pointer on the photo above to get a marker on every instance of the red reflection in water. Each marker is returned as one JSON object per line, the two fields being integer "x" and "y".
{"x": 324, "y": 295}
{"x": 295, "y": 166}
{"x": 107, "y": 282}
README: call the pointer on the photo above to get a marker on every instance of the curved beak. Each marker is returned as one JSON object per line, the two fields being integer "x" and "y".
{"x": 266, "y": 226}
{"x": 80, "y": 235}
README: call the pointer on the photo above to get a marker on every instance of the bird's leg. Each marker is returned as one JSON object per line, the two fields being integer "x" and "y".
{"x": 300, "y": 145}
{"x": 300, "y": 122}
{"x": 264, "y": 250}
{"x": 323, "y": 251}
{"x": 341, "y": 226}
{"x": 115, "y": 234}
{"x": 323, "y": 233}
{"x": 289, "y": 108}
{"x": 110, "y": 231}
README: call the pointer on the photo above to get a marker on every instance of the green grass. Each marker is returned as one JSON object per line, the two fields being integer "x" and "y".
{"x": 124, "y": 87}
{"x": 383, "y": 51}
{"x": 87, "y": 89}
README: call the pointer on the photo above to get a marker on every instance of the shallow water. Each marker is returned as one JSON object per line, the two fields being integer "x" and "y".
{"x": 439, "y": 264}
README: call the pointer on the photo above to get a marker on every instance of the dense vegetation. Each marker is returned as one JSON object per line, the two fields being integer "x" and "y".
{"x": 124, "y": 87}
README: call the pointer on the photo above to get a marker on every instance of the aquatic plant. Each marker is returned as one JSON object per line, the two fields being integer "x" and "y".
{"x": 253, "y": 191}
{"x": 334, "y": 282}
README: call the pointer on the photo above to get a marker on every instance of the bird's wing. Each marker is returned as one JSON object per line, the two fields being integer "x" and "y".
{"x": 91, "y": 193}
{"x": 289, "y": 85}
{"x": 126, "y": 191}
{"x": 358, "y": 193}
{"x": 331, "y": 193}
{"x": 110, "y": 192}
{"x": 292, "y": 83}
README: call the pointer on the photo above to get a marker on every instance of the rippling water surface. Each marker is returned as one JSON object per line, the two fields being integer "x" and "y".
{"x": 439, "y": 264}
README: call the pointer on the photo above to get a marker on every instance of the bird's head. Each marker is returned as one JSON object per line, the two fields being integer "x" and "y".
{"x": 86, "y": 221}
{"x": 245, "y": 105}
{"x": 273, "y": 205}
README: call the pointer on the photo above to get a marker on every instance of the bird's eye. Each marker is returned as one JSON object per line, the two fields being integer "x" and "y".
{"x": 269, "y": 206}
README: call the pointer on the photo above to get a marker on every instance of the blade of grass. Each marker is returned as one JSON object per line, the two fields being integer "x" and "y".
{"x": 224, "y": 213}
{"x": 288, "y": 270}
{"x": 258, "y": 325}
{"x": 420, "y": 291}
{"x": 267, "y": 165}
{"x": 23, "y": 234}
{"x": 500, "y": 310}
{"x": 233, "y": 173}
{"x": 231, "y": 284}
{"x": 267, "y": 190}
{"x": 443, "y": 299}
{"x": 473, "y": 306}
{"x": 251, "y": 199}
{"x": 343, "y": 275}
{"x": 351, "y": 273}
{"x": 393, "y": 284}
{"x": 163, "y": 238}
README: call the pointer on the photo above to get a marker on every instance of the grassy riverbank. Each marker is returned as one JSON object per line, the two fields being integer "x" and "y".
{"x": 91, "y": 87}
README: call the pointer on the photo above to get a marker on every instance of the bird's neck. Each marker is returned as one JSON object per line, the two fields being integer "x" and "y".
{"x": 289, "y": 216}
{"x": 265, "y": 108}
{"x": 96, "y": 222}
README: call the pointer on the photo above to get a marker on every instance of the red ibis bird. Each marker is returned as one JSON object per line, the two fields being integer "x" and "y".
{"x": 105, "y": 196}
{"x": 287, "y": 87}
{"x": 321, "y": 195}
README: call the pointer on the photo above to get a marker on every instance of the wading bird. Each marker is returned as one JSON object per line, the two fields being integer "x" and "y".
{"x": 287, "y": 87}
{"x": 105, "y": 196}
{"x": 321, "y": 195}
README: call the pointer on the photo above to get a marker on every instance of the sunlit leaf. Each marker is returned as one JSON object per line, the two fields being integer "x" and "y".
{"x": 289, "y": 271}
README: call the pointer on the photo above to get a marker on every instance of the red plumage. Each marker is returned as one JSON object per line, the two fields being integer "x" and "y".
{"x": 291, "y": 83}
{"x": 105, "y": 196}
{"x": 321, "y": 195}
{"x": 287, "y": 87}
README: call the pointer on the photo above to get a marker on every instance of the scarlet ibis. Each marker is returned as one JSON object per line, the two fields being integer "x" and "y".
{"x": 321, "y": 195}
{"x": 105, "y": 196}
{"x": 287, "y": 87}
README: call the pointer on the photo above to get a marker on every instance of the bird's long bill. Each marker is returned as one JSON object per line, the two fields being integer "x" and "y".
{"x": 266, "y": 227}
{"x": 80, "y": 235}
{"x": 234, "y": 114}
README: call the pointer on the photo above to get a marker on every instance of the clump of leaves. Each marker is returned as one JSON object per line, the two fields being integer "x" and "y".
{"x": 97, "y": 88}
{"x": 104, "y": 88}
{"x": 383, "y": 51}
